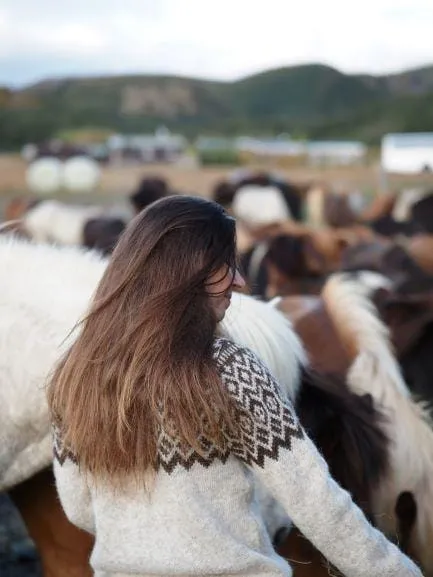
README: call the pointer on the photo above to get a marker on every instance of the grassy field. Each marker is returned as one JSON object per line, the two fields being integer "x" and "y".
{"x": 119, "y": 181}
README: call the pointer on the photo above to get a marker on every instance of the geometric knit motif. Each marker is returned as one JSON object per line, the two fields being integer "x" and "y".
{"x": 265, "y": 421}
{"x": 61, "y": 452}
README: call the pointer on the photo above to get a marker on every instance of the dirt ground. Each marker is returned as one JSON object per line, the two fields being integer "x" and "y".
{"x": 118, "y": 181}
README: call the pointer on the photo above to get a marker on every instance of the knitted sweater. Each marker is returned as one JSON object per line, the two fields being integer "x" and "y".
{"x": 202, "y": 516}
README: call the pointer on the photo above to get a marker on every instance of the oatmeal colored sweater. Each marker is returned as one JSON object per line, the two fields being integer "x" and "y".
{"x": 203, "y": 517}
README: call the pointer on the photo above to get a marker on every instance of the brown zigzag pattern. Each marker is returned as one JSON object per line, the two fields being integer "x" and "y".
{"x": 61, "y": 453}
{"x": 266, "y": 422}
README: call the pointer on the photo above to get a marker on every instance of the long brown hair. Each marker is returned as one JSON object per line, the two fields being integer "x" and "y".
{"x": 143, "y": 358}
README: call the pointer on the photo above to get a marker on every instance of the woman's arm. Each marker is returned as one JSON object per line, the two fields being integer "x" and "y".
{"x": 273, "y": 443}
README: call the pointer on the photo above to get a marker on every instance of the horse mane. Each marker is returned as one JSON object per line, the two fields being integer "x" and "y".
{"x": 356, "y": 320}
{"x": 349, "y": 431}
{"x": 405, "y": 200}
{"x": 315, "y": 205}
{"x": 267, "y": 332}
{"x": 375, "y": 371}
{"x": 372, "y": 280}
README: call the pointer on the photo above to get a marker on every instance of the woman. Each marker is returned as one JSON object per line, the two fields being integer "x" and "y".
{"x": 162, "y": 430}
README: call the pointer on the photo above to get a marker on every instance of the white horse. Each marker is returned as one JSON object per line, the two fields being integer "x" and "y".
{"x": 57, "y": 222}
{"x": 44, "y": 294}
{"x": 375, "y": 371}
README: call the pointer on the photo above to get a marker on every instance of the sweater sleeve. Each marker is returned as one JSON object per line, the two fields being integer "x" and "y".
{"x": 72, "y": 486}
{"x": 272, "y": 442}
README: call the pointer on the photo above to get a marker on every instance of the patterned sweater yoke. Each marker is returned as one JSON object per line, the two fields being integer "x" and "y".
{"x": 204, "y": 517}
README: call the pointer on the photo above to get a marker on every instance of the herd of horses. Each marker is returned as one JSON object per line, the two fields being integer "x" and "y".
{"x": 339, "y": 305}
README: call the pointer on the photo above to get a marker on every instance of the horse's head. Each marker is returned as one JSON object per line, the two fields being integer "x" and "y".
{"x": 223, "y": 193}
{"x": 294, "y": 266}
{"x": 102, "y": 233}
{"x": 149, "y": 190}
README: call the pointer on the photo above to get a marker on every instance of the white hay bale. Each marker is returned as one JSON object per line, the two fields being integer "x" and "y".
{"x": 44, "y": 176}
{"x": 80, "y": 174}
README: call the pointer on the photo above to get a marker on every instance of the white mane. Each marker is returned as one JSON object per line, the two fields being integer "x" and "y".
{"x": 375, "y": 371}
{"x": 405, "y": 200}
{"x": 315, "y": 204}
{"x": 371, "y": 280}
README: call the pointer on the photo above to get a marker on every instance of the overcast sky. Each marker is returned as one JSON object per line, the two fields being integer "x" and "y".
{"x": 223, "y": 39}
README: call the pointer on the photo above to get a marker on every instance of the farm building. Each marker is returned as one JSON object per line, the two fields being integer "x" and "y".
{"x": 335, "y": 152}
{"x": 268, "y": 147}
{"x": 163, "y": 146}
{"x": 407, "y": 152}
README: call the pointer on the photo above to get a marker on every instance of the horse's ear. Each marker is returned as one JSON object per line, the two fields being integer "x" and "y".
{"x": 315, "y": 261}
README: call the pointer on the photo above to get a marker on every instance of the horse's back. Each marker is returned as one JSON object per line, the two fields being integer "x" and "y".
{"x": 43, "y": 293}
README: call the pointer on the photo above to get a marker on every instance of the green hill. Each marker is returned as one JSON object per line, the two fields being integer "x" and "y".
{"x": 315, "y": 100}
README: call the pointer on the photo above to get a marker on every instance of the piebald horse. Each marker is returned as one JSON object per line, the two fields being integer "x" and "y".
{"x": 358, "y": 343}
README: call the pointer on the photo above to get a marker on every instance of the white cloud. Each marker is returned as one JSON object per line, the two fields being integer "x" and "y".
{"x": 224, "y": 39}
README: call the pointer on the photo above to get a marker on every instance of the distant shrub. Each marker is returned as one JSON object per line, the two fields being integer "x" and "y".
{"x": 218, "y": 157}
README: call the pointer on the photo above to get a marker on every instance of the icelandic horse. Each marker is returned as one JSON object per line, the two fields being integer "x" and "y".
{"x": 341, "y": 329}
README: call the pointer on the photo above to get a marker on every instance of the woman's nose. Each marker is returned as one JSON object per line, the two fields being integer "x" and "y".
{"x": 238, "y": 281}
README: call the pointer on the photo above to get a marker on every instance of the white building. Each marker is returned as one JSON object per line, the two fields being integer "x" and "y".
{"x": 213, "y": 144}
{"x": 270, "y": 147}
{"x": 407, "y": 152}
{"x": 335, "y": 152}
{"x": 163, "y": 146}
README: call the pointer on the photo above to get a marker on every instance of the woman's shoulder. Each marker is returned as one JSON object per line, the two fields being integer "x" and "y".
{"x": 236, "y": 359}
{"x": 223, "y": 347}
{"x": 225, "y": 351}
